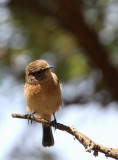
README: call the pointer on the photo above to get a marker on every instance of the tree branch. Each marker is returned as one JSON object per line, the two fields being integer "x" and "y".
{"x": 89, "y": 144}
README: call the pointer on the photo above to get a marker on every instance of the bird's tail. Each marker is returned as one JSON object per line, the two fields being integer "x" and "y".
{"x": 48, "y": 139}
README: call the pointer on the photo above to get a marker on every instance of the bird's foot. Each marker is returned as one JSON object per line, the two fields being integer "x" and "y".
{"x": 29, "y": 116}
{"x": 54, "y": 122}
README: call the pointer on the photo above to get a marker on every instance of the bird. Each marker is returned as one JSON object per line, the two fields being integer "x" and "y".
{"x": 42, "y": 92}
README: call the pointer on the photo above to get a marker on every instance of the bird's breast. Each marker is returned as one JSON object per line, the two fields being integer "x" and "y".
{"x": 43, "y": 99}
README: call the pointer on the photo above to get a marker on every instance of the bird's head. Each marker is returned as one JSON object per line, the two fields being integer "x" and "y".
{"x": 38, "y": 71}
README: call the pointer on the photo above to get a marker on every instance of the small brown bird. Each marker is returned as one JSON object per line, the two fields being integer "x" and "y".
{"x": 43, "y": 95}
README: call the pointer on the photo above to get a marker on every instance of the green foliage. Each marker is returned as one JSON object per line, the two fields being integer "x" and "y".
{"x": 36, "y": 36}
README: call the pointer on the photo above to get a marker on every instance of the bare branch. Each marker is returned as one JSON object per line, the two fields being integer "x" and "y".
{"x": 89, "y": 144}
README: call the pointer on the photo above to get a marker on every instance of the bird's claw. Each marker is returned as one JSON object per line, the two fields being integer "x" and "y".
{"x": 29, "y": 116}
{"x": 54, "y": 122}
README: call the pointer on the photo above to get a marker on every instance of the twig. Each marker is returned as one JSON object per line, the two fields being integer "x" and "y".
{"x": 89, "y": 144}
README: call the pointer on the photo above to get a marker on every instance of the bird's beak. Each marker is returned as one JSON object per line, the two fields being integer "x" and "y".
{"x": 50, "y": 67}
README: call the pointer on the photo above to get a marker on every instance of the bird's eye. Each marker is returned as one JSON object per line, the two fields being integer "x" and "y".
{"x": 39, "y": 72}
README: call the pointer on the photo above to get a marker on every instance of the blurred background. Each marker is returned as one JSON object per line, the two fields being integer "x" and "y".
{"x": 79, "y": 38}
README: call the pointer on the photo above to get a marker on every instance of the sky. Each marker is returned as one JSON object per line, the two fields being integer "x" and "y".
{"x": 97, "y": 123}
